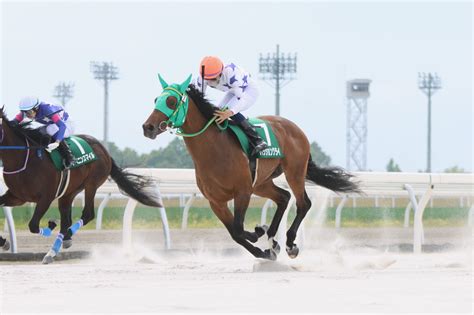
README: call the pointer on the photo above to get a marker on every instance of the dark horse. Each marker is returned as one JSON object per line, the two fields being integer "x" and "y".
{"x": 31, "y": 177}
{"x": 222, "y": 169}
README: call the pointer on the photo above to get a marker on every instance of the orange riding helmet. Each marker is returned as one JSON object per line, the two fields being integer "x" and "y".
{"x": 212, "y": 67}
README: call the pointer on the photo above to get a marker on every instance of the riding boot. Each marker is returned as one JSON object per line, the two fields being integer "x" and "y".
{"x": 256, "y": 142}
{"x": 66, "y": 153}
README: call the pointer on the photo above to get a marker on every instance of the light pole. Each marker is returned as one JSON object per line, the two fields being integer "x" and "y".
{"x": 429, "y": 84}
{"x": 278, "y": 70}
{"x": 64, "y": 92}
{"x": 106, "y": 72}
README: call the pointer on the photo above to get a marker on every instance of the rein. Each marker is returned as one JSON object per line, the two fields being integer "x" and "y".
{"x": 189, "y": 135}
{"x": 19, "y": 147}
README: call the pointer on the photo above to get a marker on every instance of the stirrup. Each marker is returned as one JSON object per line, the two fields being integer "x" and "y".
{"x": 67, "y": 165}
{"x": 259, "y": 147}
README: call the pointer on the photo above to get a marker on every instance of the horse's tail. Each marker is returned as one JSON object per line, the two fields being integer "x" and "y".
{"x": 136, "y": 186}
{"x": 333, "y": 178}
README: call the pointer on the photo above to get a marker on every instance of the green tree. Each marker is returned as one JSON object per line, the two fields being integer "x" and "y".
{"x": 174, "y": 155}
{"x": 318, "y": 155}
{"x": 454, "y": 169}
{"x": 126, "y": 157}
{"x": 392, "y": 166}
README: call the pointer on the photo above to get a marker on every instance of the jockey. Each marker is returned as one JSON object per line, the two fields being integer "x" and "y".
{"x": 241, "y": 93}
{"x": 55, "y": 118}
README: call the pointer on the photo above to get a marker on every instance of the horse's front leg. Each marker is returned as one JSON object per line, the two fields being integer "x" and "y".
{"x": 4, "y": 244}
{"x": 41, "y": 207}
{"x": 8, "y": 200}
{"x": 88, "y": 211}
{"x": 65, "y": 210}
{"x": 235, "y": 229}
{"x": 63, "y": 240}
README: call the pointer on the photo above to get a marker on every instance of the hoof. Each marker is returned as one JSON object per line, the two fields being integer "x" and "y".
{"x": 260, "y": 230}
{"x": 276, "y": 247}
{"x": 6, "y": 246}
{"x": 292, "y": 251}
{"x": 52, "y": 224}
{"x": 67, "y": 244}
{"x": 47, "y": 260}
{"x": 270, "y": 254}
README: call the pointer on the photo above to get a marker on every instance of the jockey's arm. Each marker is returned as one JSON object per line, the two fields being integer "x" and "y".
{"x": 59, "y": 136}
{"x": 19, "y": 117}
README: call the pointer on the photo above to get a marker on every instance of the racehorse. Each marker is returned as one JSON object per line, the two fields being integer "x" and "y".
{"x": 32, "y": 177}
{"x": 222, "y": 169}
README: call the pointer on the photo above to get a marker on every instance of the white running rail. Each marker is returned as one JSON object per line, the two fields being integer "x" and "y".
{"x": 418, "y": 187}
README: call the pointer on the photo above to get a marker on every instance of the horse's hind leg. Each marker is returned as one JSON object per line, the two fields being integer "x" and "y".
{"x": 281, "y": 197}
{"x": 235, "y": 228}
{"x": 303, "y": 204}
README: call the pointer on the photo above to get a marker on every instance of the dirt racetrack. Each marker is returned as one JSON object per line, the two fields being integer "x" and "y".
{"x": 350, "y": 270}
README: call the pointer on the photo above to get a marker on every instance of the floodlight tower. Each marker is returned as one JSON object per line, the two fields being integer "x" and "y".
{"x": 356, "y": 134}
{"x": 106, "y": 72}
{"x": 278, "y": 71}
{"x": 429, "y": 84}
{"x": 64, "y": 92}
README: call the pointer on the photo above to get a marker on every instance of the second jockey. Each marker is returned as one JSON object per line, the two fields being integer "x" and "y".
{"x": 57, "y": 122}
{"x": 241, "y": 93}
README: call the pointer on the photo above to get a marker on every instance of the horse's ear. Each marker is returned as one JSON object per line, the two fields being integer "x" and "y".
{"x": 164, "y": 85}
{"x": 185, "y": 84}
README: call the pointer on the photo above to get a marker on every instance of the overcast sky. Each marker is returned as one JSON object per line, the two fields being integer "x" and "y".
{"x": 43, "y": 43}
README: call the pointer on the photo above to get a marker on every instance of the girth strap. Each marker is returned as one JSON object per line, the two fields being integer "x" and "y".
{"x": 63, "y": 183}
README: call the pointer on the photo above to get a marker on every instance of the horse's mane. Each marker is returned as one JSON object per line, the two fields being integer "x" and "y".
{"x": 22, "y": 131}
{"x": 203, "y": 104}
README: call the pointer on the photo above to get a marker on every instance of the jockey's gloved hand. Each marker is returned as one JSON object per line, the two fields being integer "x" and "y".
{"x": 52, "y": 146}
{"x": 223, "y": 115}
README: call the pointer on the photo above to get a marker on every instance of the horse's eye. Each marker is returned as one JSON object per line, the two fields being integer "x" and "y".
{"x": 156, "y": 98}
{"x": 171, "y": 102}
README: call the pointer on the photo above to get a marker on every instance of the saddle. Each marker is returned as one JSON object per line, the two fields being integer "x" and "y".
{"x": 80, "y": 149}
{"x": 265, "y": 131}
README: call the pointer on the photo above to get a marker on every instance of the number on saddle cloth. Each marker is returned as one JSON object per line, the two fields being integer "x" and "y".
{"x": 80, "y": 149}
{"x": 265, "y": 131}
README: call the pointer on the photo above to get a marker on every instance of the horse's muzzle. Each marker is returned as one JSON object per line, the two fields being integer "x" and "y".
{"x": 150, "y": 131}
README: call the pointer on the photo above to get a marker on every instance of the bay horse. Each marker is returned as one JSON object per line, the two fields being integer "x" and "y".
{"x": 222, "y": 168}
{"x": 32, "y": 177}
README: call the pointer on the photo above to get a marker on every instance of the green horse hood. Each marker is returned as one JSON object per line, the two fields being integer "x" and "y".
{"x": 176, "y": 114}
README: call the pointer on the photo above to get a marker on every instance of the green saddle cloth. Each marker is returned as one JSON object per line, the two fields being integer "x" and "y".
{"x": 265, "y": 131}
{"x": 81, "y": 150}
